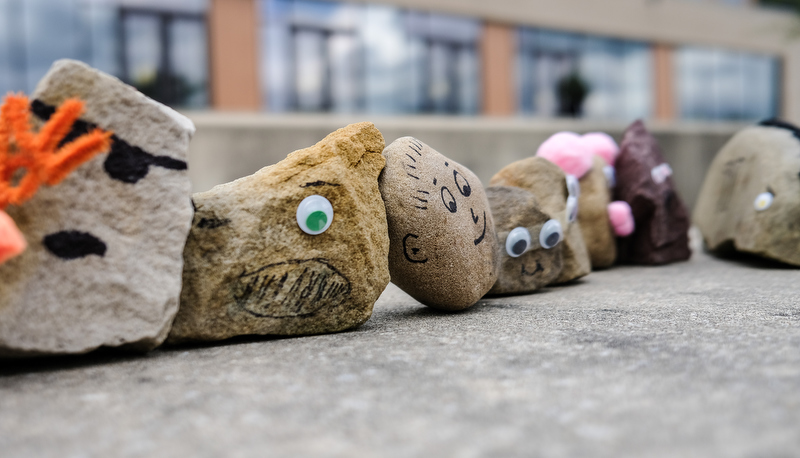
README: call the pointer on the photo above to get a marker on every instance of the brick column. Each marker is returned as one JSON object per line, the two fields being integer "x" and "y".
{"x": 497, "y": 49}
{"x": 233, "y": 41}
{"x": 664, "y": 84}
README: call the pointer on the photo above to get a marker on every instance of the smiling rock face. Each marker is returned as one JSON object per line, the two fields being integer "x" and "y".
{"x": 750, "y": 199}
{"x": 299, "y": 247}
{"x": 549, "y": 184}
{"x": 644, "y": 182}
{"x": 104, "y": 259}
{"x": 530, "y": 248}
{"x": 443, "y": 246}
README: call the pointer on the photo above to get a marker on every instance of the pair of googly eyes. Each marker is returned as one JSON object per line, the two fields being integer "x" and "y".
{"x": 519, "y": 239}
{"x": 763, "y": 201}
{"x": 574, "y": 191}
{"x": 314, "y": 215}
{"x": 660, "y": 173}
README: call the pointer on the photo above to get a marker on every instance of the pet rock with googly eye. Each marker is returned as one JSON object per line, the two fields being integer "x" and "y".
{"x": 661, "y": 221}
{"x": 548, "y": 182}
{"x": 105, "y": 246}
{"x": 750, "y": 199}
{"x": 443, "y": 249}
{"x": 530, "y": 241}
{"x": 299, "y": 247}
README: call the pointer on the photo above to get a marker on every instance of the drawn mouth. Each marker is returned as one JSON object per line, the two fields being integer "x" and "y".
{"x": 538, "y": 269}
{"x": 293, "y": 288}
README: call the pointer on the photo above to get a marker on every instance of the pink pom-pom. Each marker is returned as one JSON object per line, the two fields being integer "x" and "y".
{"x": 621, "y": 216}
{"x": 12, "y": 242}
{"x": 568, "y": 151}
{"x": 602, "y": 145}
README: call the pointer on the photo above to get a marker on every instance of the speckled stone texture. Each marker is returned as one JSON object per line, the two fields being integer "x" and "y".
{"x": 514, "y": 207}
{"x": 250, "y": 269}
{"x": 593, "y": 216}
{"x": 548, "y": 183}
{"x": 759, "y": 159}
{"x": 443, "y": 249}
{"x": 661, "y": 219}
{"x": 103, "y": 266}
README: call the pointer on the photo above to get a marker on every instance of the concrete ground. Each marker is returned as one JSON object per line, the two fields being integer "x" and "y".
{"x": 694, "y": 359}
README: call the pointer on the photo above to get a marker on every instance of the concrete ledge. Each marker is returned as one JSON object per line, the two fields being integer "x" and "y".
{"x": 231, "y": 145}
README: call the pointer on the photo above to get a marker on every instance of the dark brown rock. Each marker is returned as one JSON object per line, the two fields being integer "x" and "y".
{"x": 525, "y": 264}
{"x": 443, "y": 249}
{"x": 251, "y": 267}
{"x": 644, "y": 181}
{"x": 750, "y": 199}
{"x": 549, "y": 184}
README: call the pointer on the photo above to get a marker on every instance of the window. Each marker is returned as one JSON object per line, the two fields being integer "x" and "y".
{"x": 161, "y": 39}
{"x": 566, "y": 74}
{"x": 716, "y": 84}
{"x": 326, "y": 56}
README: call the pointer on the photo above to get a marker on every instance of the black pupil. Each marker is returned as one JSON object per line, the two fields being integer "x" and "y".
{"x": 519, "y": 247}
{"x": 552, "y": 239}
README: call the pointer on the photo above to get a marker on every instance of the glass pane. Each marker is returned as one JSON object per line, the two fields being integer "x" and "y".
{"x": 188, "y": 62}
{"x": 50, "y": 34}
{"x": 310, "y": 70}
{"x": 143, "y": 50}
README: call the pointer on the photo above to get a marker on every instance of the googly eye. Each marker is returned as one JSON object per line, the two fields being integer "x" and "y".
{"x": 763, "y": 201}
{"x": 660, "y": 173}
{"x": 573, "y": 187}
{"x": 611, "y": 175}
{"x": 550, "y": 234}
{"x": 518, "y": 242}
{"x": 572, "y": 209}
{"x": 314, "y": 215}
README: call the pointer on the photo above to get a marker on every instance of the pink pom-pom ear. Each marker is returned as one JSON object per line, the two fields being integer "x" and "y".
{"x": 568, "y": 151}
{"x": 621, "y": 216}
{"x": 12, "y": 242}
{"x": 602, "y": 145}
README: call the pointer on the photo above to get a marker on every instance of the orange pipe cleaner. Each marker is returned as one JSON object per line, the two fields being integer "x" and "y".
{"x": 38, "y": 153}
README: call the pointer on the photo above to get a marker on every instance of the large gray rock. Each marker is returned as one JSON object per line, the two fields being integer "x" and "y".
{"x": 103, "y": 266}
{"x": 252, "y": 268}
{"x": 750, "y": 200}
{"x": 443, "y": 245}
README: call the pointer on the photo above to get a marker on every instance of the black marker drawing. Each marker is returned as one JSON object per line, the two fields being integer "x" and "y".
{"x": 474, "y": 218}
{"x": 125, "y": 162}
{"x": 412, "y": 176}
{"x": 538, "y": 269}
{"x": 74, "y": 245}
{"x": 464, "y": 189}
{"x": 449, "y": 201}
{"x": 483, "y": 234}
{"x": 318, "y": 183}
{"x": 414, "y": 251}
{"x": 411, "y": 157}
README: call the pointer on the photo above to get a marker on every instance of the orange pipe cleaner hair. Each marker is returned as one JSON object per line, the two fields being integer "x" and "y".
{"x": 39, "y": 155}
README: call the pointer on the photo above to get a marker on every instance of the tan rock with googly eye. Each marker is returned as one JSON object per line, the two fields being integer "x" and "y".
{"x": 522, "y": 271}
{"x": 256, "y": 261}
{"x": 548, "y": 183}
{"x": 443, "y": 249}
{"x": 750, "y": 199}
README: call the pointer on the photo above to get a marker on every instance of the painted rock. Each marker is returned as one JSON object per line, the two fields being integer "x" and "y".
{"x": 530, "y": 249}
{"x": 443, "y": 249}
{"x": 549, "y": 184}
{"x": 644, "y": 182}
{"x": 750, "y": 199}
{"x": 593, "y": 215}
{"x": 105, "y": 246}
{"x": 299, "y": 247}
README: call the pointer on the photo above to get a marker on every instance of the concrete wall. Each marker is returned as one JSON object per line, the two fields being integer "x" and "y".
{"x": 229, "y": 146}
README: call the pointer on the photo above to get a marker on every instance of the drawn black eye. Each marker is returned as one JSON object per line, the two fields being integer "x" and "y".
{"x": 448, "y": 200}
{"x": 464, "y": 188}
{"x": 73, "y": 245}
{"x": 550, "y": 234}
{"x": 518, "y": 242}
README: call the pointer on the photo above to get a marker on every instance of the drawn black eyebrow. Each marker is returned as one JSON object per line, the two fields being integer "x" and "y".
{"x": 318, "y": 183}
{"x": 777, "y": 123}
{"x": 411, "y": 157}
{"x": 125, "y": 162}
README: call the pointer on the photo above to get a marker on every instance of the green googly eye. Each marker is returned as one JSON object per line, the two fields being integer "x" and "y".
{"x": 314, "y": 215}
